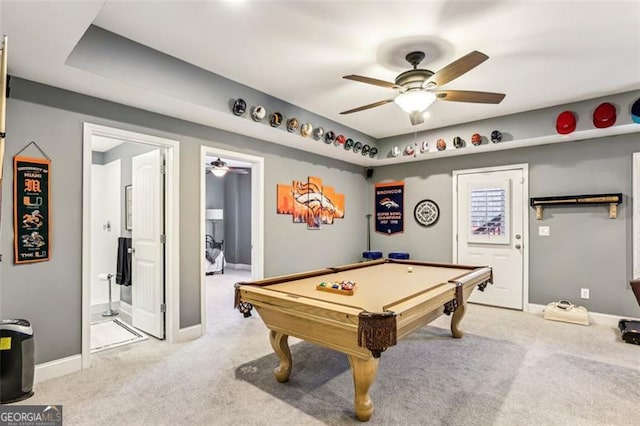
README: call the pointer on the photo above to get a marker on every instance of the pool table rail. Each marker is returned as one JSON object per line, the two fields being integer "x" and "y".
{"x": 407, "y": 262}
{"x": 245, "y": 307}
{"x": 368, "y": 334}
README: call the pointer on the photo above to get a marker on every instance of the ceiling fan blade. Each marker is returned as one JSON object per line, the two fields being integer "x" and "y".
{"x": 362, "y": 108}
{"x": 469, "y": 96}
{"x": 416, "y": 117}
{"x": 374, "y": 81}
{"x": 456, "y": 68}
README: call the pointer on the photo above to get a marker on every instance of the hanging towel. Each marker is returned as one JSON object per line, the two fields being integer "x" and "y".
{"x": 123, "y": 272}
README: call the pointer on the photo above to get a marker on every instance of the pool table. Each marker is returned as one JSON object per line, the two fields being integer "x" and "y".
{"x": 391, "y": 299}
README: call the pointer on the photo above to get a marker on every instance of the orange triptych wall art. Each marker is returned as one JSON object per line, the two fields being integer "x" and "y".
{"x": 310, "y": 202}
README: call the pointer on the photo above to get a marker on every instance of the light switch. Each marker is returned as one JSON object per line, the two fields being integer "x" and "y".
{"x": 543, "y": 231}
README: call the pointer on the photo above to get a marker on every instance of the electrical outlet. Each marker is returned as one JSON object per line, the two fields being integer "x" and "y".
{"x": 584, "y": 293}
{"x": 544, "y": 231}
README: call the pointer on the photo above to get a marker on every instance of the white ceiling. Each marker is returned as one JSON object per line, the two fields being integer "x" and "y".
{"x": 104, "y": 144}
{"x": 542, "y": 53}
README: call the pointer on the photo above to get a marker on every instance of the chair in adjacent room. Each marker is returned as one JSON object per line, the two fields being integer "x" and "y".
{"x": 214, "y": 253}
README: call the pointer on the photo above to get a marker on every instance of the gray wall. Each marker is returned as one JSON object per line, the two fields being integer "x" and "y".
{"x": 585, "y": 248}
{"x": 134, "y": 63}
{"x": 237, "y": 219}
{"x": 97, "y": 158}
{"x": 49, "y": 293}
{"x": 243, "y": 215}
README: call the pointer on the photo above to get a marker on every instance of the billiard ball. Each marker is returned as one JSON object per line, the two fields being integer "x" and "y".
{"x": 410, "y": 269}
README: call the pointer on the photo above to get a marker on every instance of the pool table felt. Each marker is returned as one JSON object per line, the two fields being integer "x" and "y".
{"x": 377, "y": 286}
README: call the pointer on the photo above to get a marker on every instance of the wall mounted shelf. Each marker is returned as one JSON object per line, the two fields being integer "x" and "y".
{"x": 577, "y": 200}
{"x": 381, "y": 160}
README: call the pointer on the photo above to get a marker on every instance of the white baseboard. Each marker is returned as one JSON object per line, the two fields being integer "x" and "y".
{"x": 189, "y": 333}
{"x": 101, "y": 307}
{"x": 63, "y": 366}
{"x": 238, "y": 266}
{"x": 126, "y": 308}
{"x": 57, "y": 368}
{"x": 594, "y": 317}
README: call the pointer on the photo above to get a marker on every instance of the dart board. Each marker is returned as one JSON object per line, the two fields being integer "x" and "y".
{"x": 426, "y": 212}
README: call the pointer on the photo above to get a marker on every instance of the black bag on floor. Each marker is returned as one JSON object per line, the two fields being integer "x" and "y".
{"x": 630, "y": 331}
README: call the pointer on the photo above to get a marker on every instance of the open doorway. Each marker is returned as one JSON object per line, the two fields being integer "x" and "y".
{"x": 231, "y": 190}
{"x": 129, "y": 275}
{"x": 227, "y": 215}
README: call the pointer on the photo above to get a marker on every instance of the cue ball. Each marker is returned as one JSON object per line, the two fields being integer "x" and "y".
{"x": 409, "y": 269}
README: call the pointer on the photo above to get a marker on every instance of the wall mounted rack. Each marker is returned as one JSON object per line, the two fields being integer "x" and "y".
{"x": 577, "y": 200}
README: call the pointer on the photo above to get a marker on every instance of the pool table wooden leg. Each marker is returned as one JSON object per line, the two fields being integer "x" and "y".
{"x": 455, "y": 321}
{"x": 364, "y": 373}
{"x": 281, "y": 348}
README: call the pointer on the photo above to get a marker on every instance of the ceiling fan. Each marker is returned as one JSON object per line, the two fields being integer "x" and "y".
{"x": 220, "y": 168}
{"x": 417, "y": 86}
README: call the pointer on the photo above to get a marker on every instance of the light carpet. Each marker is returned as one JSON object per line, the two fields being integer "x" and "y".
{"x": 511, "y": 368}
{"x": 432, "y": 379}
{"x": 111, "y": 333}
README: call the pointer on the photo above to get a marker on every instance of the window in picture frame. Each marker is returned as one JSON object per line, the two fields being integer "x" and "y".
{"x": 489, "y": 213}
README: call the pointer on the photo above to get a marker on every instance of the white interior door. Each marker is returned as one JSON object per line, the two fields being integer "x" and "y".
{"x": 490, "y": 218}
{"x": 147, "y": 269}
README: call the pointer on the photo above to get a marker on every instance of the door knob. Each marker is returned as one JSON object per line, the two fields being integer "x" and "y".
{"x": 131, "y": 250}
{"x": 518, "y": 246}
{"x": 518, "y": 236}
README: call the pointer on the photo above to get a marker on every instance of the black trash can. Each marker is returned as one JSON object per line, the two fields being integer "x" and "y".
{"x": 17, "y": 360}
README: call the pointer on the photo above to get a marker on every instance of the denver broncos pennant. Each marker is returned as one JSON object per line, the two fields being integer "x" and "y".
{"x": 389, "y": 207}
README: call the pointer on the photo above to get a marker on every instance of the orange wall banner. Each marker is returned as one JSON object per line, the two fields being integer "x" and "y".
{"x": 31, "y": 209}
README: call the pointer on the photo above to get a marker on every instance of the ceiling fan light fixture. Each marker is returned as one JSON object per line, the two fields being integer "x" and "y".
{"x": 219, "y": 168}
{"x": 416, "y": 117}
{"x": 219, "y": 172}
{"x": 415, "y": 100}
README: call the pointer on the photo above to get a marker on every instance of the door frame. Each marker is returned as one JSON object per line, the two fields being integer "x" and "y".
{"x": 524, "y": 167}
{"x": 172, "y": 222}
{"x": 635, "y": 215}
{"x": 257, "y": 218}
